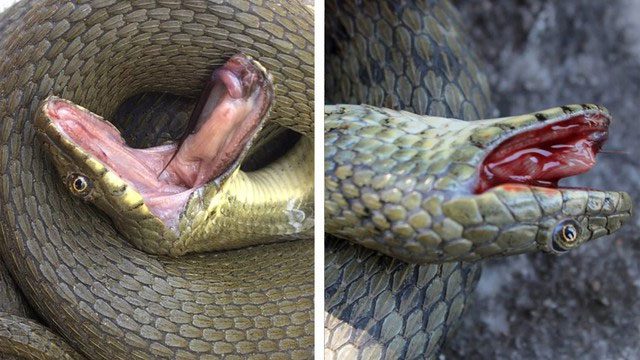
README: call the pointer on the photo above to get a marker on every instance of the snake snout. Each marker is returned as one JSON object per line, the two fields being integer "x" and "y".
{"x": 242, "y": 76}
{"x": 604, "y": 213}
{"x": 558, "y": 219}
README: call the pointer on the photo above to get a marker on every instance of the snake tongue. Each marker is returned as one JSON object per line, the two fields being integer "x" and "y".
{"x": 544, "y": 156}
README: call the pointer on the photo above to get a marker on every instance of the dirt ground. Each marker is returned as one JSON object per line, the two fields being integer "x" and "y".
{"x": 540, "y": 54}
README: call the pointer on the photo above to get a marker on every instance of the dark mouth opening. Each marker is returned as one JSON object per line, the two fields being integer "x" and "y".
{"x": 231, "y": 110}
{"x": 271, "y": 148}
{"x": 544, "y": 156}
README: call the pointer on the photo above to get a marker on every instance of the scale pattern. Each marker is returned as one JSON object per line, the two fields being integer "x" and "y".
{"x": 402, "y": 183}
{"x": 378, "y": 308}
{"x": 27, "y": 339}
{"x": 107, "y": 299}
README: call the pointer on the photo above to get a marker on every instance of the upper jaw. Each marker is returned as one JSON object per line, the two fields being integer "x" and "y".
{"x": 574, "y": 134}
{"x": 68, "y": 157}
{"x": 542, "y": 152}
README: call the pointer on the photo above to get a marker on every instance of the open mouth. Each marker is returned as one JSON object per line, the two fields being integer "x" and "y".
{"x": 231, "y": 110}
{"x": 544, "y": 156}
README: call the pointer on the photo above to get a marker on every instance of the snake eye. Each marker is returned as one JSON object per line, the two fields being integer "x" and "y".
{"x": 569, "y": 233}
{"x": 565, "y": 235}
{"x": 79, "y": 184}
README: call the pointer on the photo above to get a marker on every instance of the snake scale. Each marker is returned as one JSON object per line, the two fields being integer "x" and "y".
{"x": 409, "y": 186}
{"x": 102, "y": 297}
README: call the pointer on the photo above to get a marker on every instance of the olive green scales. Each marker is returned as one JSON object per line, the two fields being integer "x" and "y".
{"x": 104, "y": 297}
{"x": 399, "y": 183}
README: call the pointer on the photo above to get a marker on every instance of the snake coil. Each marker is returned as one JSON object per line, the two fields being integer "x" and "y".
{"x": 106, "y": 299}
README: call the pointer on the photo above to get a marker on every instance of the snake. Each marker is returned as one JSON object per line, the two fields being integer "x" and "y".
{"x": 416, "y": 194}
{"x": 92, "y": 287}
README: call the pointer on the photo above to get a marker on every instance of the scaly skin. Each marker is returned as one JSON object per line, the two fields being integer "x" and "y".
{"x": 235, "y": 210}
{"x": 29, "y": 339}
{"x": 86, "y": 282}
{"x": 413, "y": 56}
{"x": 399, "y": 184}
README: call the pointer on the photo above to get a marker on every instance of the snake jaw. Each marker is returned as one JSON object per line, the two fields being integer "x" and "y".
{"x": 541, "y": 153}
{"x": 233, "y": 108}
{"x": 425, "y": 208}
{"x": 523, "y": 163}
{"x": 553, "y": 220}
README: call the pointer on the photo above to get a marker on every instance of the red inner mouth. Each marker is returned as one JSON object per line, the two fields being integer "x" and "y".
{"x": 543, "y": 156}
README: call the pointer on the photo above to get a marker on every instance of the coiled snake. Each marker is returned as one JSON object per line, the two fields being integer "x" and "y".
{"x": 433, "y": 190}
{"x": 102, "y": 297}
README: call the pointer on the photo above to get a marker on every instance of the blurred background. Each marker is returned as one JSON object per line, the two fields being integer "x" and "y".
{"x": 6, "y": 3}
{"x": 540, "y": 54}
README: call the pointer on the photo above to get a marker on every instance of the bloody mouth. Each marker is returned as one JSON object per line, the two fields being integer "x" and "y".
{"x": 544, "y": 156}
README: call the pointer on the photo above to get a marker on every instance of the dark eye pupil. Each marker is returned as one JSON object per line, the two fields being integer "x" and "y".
{"x": 569, "y": 233}
{"x": 79, "y": 184}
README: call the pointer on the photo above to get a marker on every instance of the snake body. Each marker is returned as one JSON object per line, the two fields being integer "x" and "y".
{"x": 237, "y": 209}
{"x": 103, "y": 297}
{"x": 403, "y": 184}
{"x": 376, "y": 306}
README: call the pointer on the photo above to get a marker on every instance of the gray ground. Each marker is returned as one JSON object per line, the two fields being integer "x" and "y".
{"x": 544, "y": 53}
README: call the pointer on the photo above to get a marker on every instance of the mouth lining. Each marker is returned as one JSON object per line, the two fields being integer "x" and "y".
{"x": 232, "y": 109}
{"x": 545, "y": 155}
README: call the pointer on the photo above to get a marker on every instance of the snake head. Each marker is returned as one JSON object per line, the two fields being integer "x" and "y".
{"x": 145, "y": 191}
{"x": 522, "y": 160}
{"x": 427, "y": 189}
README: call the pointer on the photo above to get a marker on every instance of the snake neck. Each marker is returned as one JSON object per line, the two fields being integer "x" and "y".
{"x": 271, "y": 204}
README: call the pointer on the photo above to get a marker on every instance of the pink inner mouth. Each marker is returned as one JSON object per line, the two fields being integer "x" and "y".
{"x": 543, "y": 156}
{"x": 231, "y": 109}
